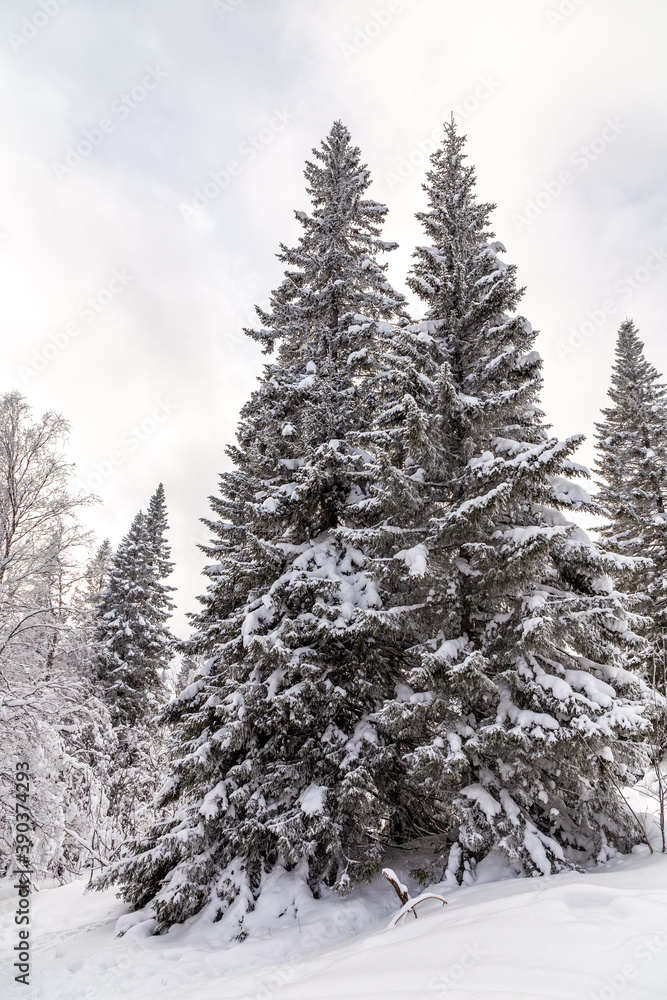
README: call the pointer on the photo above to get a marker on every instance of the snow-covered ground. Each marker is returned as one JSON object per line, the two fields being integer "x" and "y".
{"x": 574, "y": 936}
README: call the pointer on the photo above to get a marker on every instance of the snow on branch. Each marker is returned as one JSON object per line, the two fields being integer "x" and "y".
{"x": 404, "y": 896}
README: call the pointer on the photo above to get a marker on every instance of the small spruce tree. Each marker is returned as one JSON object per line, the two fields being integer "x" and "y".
{"x": 132, "y": 648}
{"x": 632, "y": 464}
{"x": 96, "y": 576}
{"x": 132, "y": 642}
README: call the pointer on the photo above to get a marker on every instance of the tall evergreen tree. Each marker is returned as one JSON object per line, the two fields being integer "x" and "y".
{"x": 156, "y": 529}
{"x": 132, "y": 647}
{"x": 514, "y": 721}
{"x": 97, "y": 573}
{"x": 130, "y": 636}
{"x": 190, "y": 668}
{"x": 632, "y": 463}
{"x": 270, "y": 739}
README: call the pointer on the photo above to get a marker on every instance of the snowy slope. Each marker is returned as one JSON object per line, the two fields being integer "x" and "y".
{"x": 571, "y": 937}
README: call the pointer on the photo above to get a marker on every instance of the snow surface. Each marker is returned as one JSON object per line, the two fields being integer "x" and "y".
{"x": 598, "y": 935}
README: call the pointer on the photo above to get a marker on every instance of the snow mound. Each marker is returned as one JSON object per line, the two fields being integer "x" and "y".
{"x": 597, "y": 935}
{"x": 575, "y": 936}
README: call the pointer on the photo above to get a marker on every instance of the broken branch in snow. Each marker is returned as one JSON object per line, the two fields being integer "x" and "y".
{"x": 401, "y": 890}
{"x": 404, "y": 896}
{"x": 410, "y": 905}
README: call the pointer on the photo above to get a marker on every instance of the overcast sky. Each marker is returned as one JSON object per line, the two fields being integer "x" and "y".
{"x": 128, "y": 271}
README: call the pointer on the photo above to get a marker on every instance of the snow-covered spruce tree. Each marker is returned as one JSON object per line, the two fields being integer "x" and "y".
{"x": 515, "y": 720}
{"x": 632, "y": 464}
{"x": 132, "y": 648}
{"x": 156, "y": 530}
{"x": 131, "y": 640}
{"x": 97, "y": 573}
{"x": 269, "y": 740}
{"x": 190, "y": 668}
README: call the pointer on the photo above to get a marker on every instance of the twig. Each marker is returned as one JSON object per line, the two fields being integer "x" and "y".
{"x": 639, "y": 822}
{"x": 411, "y": 903}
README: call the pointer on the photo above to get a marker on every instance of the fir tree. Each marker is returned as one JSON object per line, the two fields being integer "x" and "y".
{"x": 133, "y": 648}
{"x": 632, "y": 461}
{"x": 133, "y": 644}
{"x": 273, "y": 742}
{"x": 515, "y": 720}
{"x": 97, "y": 573}
{"x": 190, "y": 669}
{"x": 156, "y": 529}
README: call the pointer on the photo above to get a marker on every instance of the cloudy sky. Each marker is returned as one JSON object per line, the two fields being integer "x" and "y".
{"x": 152, "y": 161}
